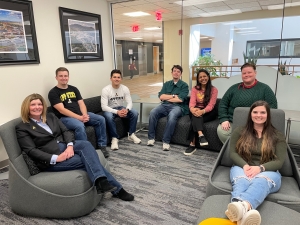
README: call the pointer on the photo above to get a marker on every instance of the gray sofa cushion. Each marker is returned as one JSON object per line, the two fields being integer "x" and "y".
{"x": 182, "y": 129}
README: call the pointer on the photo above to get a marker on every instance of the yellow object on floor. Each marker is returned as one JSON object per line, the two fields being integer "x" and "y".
{"x": 217, "y": 221}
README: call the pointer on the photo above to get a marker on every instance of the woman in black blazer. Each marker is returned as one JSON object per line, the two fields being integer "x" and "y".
{"x": 53, "y": 148}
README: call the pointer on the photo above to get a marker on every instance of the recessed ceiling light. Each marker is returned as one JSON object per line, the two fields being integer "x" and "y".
{"x": 195, "y": 2}
{"x": 220, "y": 13}
{"x": 137, "y": 38}
{"x": 280, "y": 6}
{"x": 136, "y": 14}
{"x": 152, "y": 28}
{"x": 248, "y": 31}
{"x": 159, "y": 40}
{"x": 243, "y": 28}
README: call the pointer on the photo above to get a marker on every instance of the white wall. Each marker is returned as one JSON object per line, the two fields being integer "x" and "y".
{"x": 18, "y": 81}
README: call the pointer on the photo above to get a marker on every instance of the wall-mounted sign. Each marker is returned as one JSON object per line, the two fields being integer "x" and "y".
{"x": 158, "y": 16}
{"x": 205, "y": 51}
{"x": 135, "y": 28}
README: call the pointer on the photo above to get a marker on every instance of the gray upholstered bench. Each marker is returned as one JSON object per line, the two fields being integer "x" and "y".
{"x": 182, "y": 129}
{"x": 271, "y": 213}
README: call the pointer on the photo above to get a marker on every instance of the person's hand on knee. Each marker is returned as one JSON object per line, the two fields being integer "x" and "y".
{"x": 225, "y": 125}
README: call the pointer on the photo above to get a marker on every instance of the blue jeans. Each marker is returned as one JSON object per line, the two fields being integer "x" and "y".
{"x": 85, "y": 158}
{"x": 253, "y": 190}
{"x": 167, "y": 109}
{"x": 132, "y": 115}
{"x": 97, "y": 121}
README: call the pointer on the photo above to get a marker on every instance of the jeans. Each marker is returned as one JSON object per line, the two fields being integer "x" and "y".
{"x": 97, "y": 121}
{"x": 132, "y": 115}
{"x": 167, "y": 109}
{"x": 253, "y": 190}
{"x": 85, "y": 158}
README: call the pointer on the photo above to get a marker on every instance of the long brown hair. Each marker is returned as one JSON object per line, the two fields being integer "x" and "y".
{"x": 208, "y": 87}
{"x": 248, "y": 140}
{"x": 25, "y": 112}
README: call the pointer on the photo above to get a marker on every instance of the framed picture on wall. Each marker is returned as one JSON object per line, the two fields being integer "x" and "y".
{"x": 81, "y": 35}
{"x": 18, "y": 44}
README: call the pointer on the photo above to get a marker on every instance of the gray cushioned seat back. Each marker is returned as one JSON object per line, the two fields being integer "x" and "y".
{"x": 240, "y": 116}
{"x": 9, "y": 138}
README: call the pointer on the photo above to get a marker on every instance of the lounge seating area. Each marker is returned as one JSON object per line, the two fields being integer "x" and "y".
{"x": 180, "y": 135}
{"x": 76, "y": 190}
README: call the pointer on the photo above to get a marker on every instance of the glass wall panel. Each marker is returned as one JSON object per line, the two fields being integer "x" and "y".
{"x": 217, "y": 35}
{"x": 139, "y": 46}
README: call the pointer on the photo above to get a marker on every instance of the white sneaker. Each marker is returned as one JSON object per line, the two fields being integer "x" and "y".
{"x": 236, "y": 210}
{"x": 166, "y": 147}
{"x": 134, "y": 138}
{"x": 151, "y": 142}
{"x": 252, "y": 217}
{"x": 114, "y": 144}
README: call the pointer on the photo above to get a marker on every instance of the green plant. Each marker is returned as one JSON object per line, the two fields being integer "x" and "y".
{"x": 208, "y": 62}
{"x": 252, "y": 60}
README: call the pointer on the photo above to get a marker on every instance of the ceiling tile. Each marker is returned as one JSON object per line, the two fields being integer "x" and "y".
{"x": 216, "y": 9}
{"x": 247, "y": 9}
{"x": 244, "y": 5}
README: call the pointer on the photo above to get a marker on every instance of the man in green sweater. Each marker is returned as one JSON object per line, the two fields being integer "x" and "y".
{"x": 242, "y": 94}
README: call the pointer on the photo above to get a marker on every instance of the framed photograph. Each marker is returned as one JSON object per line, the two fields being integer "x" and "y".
{"x": 18, "y": 43}
{"x": 81, "y": 35}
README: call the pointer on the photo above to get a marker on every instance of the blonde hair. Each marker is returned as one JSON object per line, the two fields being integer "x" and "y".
{"x": 25, "y": 112}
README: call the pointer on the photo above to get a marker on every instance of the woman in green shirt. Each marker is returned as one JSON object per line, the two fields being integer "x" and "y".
{"x": 258, "y": 151}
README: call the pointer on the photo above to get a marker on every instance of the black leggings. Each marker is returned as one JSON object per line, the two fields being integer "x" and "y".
{"x": 197, "y": 122}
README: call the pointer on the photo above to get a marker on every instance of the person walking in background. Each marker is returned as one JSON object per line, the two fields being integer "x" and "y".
{"x": 131, "y": 68}
{"x": 113, "y": 98}
{"x": 202, "y": 102}
{"x": 53, "y": 148}
{"x": 174, "y": 105}
{"x": 68, "y": 105}
{"x": 242, "y": 94}
{"x": 258, "y": 151}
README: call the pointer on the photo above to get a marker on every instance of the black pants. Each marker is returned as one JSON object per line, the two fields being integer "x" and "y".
{"x": 197, "y": 123}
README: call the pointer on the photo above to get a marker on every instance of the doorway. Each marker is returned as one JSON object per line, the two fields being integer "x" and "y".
{"x": 119, "y": 57}
{"x": 142, "y": 58}
{"x": 156, "y": 59}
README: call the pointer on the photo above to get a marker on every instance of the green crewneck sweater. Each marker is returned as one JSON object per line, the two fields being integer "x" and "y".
{"x": 238, "y": 96}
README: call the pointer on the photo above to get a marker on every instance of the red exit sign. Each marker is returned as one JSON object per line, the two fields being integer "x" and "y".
{"x": 158, "y": 16}
{"x": 135, "y": 28}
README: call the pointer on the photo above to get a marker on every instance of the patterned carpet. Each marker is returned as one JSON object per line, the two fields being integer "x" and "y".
{"x": 169, "y": 188}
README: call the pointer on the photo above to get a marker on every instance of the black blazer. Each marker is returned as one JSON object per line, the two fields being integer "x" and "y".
{"x": 38, "y": 143}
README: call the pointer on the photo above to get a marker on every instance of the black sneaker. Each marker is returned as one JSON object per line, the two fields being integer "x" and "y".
{"x": 190, "y": 150}
{"x": 104, "y": 151}
{"x": 124, "y": 195}
{"x": 202, "y": 141}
